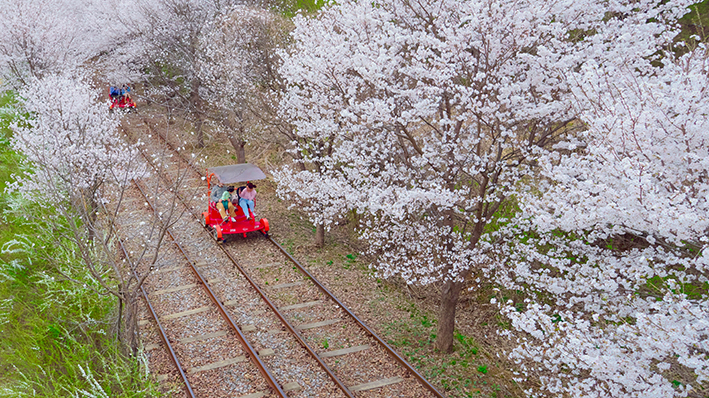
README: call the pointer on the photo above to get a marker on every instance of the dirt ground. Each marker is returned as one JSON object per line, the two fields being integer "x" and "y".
{"x": 404, "y": 316}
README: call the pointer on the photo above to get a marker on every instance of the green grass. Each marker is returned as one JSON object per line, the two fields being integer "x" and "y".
{"x": 698, "y": 17}
{"x": 290, "y": 8}
{"x": 464, "y": 373}
{"x": 57, "y": 338}
{"x": 695, "y": 22}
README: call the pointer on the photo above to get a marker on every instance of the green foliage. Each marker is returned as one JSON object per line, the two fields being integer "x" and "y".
{"x": 656, "y": 286}
{"x": 291, "y": 8}
{"x": 696, "y": 21}
{"x": 57, "y": 336}
{"x": 507, "y": 210}
{"x": 456, "y": 371}
{"x": 349, "y": 260}
{"x": 8, "y": 157}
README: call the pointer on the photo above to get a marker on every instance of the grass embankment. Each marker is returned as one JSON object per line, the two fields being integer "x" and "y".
{"x": 57, "y": 338}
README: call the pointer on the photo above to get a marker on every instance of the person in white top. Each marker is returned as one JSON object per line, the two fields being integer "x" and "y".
{"x": 246, "y": 200}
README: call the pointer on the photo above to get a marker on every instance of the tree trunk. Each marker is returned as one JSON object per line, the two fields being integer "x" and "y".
{"x": 86, "y": 204}
{"x": 299, "y": 158}
{"x": 196, "y": 101}
{"x": 119, "y": 322}
{"x": 198, "y": 132}
{"x": 238, "y": 144}
{"x": 320, "y": 235}
{"x": 446, "y": 315}
{"x": 129, "y": 337}
{"x": 132, "y": 329}
{"x": 241, "y": 153}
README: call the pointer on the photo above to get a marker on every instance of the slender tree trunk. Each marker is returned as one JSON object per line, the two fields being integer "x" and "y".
{"x": 87, "y": 205}
{"x": 131, "y": 329}
{"x": 128, "y": 323}
{"x": 320, "y": 235}
{"x": 446, "y": 315}
{"x": 238, "y": 144}
{"x": 299, "y": 158}
{"x": 241, "y": 152}
{"x": 198, "y": 131}
{"x": 119, "y": 321}
{"x": 196, "y": 101}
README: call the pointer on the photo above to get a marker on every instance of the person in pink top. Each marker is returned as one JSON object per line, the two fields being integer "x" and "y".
{"x": 246, "y": 200}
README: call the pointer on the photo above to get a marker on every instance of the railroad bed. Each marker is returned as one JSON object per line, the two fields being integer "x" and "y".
{"x": 243, "y": 318}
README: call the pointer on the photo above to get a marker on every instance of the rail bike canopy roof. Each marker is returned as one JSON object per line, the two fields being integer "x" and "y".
{"x": 237, "y": 173}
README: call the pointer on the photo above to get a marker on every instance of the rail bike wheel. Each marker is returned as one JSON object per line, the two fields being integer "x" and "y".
{"x": 217, "y": 234}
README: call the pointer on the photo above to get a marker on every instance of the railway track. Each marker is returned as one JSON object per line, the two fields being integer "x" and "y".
{"x": 309, "y": 342}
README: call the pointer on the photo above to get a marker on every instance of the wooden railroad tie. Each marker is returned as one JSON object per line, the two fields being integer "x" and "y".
{"x": 344, "y": 351}
{"x": 285, "y": 285}
{"x": 217, "y": 365}
{"x": 253, "y": 395}
{"x": 256, "y": 311}
{"x": 184, "y": 313}
{"x": 173, "y": 289}
{"x": 266, "y": 352}
{"x": 151, "y": 347}
{"x": 127, "y": 201}
{"x": 376, "y": 384}
{"x": 301, "y": 305}
{"x": 317, "y": 324}
{"x": 181, "y": 288}
{"x": 188, "y": 180}
{"x": 162, "y": 270}
{"x": 202, "y": 337}
{"x": 292, "y": 386}
{"x": 269, "y": 265}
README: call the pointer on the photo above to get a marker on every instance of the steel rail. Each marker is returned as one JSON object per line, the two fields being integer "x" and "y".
{"x": 288, "y": 325}
{"x": 391, "y": 351}
{"x": 388, "y": 348}
{"x": 273, "y": 307}
{"x": 250, "y": 351}
{"x": 163, "y": 335}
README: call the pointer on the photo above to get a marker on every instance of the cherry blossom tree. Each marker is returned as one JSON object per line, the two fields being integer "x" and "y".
{"x": 214, "y": 62}
{"x": 73, "y": 139}
{"x": 425, "y": 117}
{"x": 614, "y": 256}
{"x": 47, "y": 36}
{"x": 166, "y": 48}
{"x": 76, "y": 160}
{"x": 238, "y": 69}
